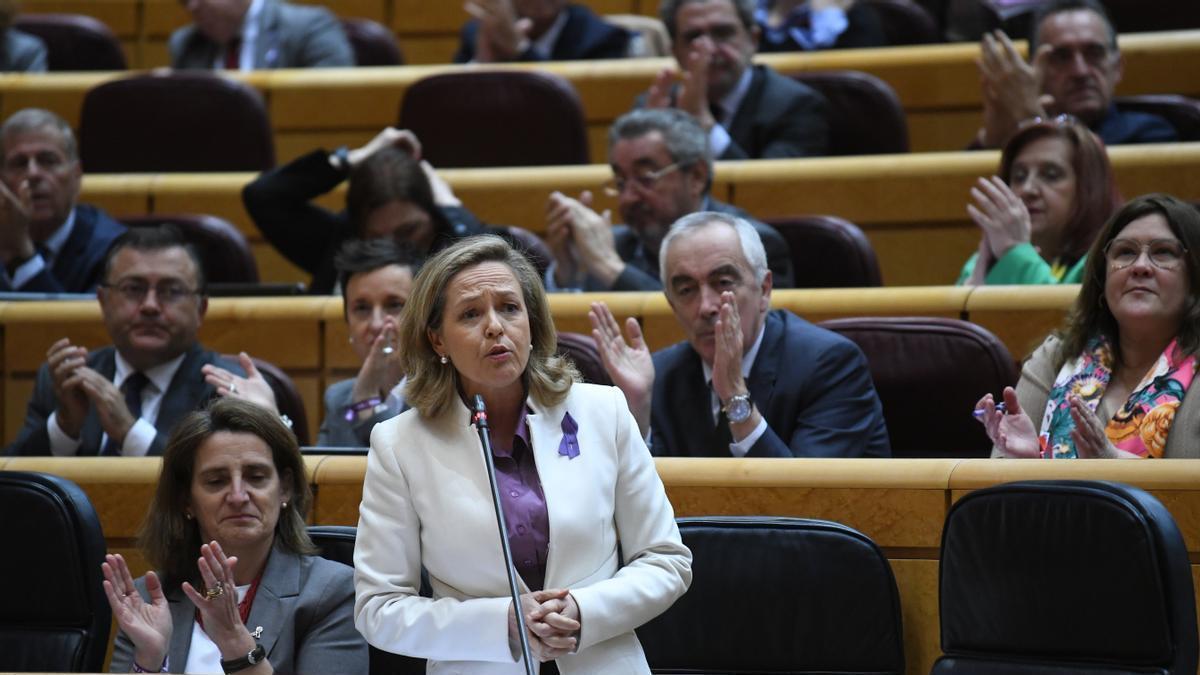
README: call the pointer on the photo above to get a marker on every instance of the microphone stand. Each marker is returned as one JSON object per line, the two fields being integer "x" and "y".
{"x": 479, "y": 420}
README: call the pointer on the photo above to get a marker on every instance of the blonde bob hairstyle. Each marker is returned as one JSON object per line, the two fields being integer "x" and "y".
{"x": 432, "y": 386}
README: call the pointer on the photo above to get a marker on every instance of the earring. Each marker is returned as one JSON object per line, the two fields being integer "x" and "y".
{"x": 285, "y": 505}
{"x": 187, "y": 515}
{"x": 445, "y": 359}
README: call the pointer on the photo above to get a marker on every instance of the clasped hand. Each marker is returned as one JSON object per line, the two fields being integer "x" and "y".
{"x": 76, "y": 386}
{"x": 552, "y": 626}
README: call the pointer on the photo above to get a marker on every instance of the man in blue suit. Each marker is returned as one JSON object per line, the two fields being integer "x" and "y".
{"x": 749, "y": 381}
{"x": 537, "y": 30}
{"x": 48, "y": 242}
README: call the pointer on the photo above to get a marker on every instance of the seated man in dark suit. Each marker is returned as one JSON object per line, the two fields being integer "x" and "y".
{"x": 258, "y": 34}
{"x": 749, "y": 112}
{"x": 537, "y": 30}
{"x": 125, "y": 399}
{"x": 749, "y": 382}
{"x": 1074, "y": 67}
{"x": 48, "y": 242}
{"x": 662, "y": 171}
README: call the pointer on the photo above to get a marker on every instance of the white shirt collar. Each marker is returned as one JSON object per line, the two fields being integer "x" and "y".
{"x": 160, "y": 376}
{"x": 249, "y": 35}
{"x": 545, "y": 43}
{"x": 733, "y": 100}
{"x": 747, "y": 359}
{"x": 56, "y": 241}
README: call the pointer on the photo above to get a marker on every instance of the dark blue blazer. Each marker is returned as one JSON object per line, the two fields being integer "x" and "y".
{"x": 584, "y": 36}
{"x": 80, "y": 263}
{"x": 188, "y": 392}
{"x": 811, "y": 385}
{"x": 1122, "y": 127}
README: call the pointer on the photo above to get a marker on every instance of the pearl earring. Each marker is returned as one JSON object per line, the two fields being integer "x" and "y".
{"x": 187, "y": 515}
{"x": 285, "y": 505}
{"x": 445, "y": 359}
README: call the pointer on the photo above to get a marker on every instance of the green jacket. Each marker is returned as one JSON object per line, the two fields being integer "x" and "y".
{"x": 1023, "y": 265}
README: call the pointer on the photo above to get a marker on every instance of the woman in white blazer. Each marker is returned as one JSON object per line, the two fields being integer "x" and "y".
{"x": 578, "y": 487}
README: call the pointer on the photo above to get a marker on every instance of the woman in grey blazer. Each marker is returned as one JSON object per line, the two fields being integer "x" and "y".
{"x": 256, "y": 600}
{"x": 375, "y": 276}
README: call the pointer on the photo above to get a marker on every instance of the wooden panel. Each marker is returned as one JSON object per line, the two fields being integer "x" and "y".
{"x": 311, "y": 391}
{"x": 162, "y": 17}
{"x": 119, "y": 194}
{"x": 119, "y": 15}
{"x": 917, "y": 581}
{"x": 274, "y": 268}
{"x": 427, "y": 49}
{"x": 1020, "y": 319}
{"x": 217, "y": 194}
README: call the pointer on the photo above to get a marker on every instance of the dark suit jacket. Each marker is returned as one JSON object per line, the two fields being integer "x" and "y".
{"x": 188, "y": 392}
{"x": 336, "y": 432}
{"x": 584, "y": 36}
{"x": 80, "y": 263}
{"x": 279, "y": 203}
{"x": 641, "y": 269}
{"x": 21, "y": 52}
{"x": 305, "y": 606}
{"x": 812, "y": 386}
{"x": 1130, "y": 126}
{"x": 863, "y": 29}
{"x": 778, "y": 118}
{"x": 290, "y": 36}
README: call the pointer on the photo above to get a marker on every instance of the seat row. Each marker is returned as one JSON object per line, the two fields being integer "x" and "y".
{"x": 910, "y": 509}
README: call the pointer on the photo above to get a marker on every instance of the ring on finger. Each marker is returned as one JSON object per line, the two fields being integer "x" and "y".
{"x": 232, "y": 387}
{"x": 215, "y": 591}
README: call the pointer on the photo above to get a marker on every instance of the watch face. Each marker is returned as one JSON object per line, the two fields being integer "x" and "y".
{"x": 256, "y": 655}
{"x": 738, "y": 409}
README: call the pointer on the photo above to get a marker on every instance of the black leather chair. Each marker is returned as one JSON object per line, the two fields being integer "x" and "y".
{"x": 865, "y": 116}
{"x": 1182, "y": 112}
{"x": 223, "y": 249}
{"x": 1064, "y": 577}
{"x": 929, "y": 372}
{"x": 829, "y": 252}
{"x": 174, "y": 121}
{"x": 373, "y": 44}
{"x": 779, "y": 595}
{"x": 53, "y": 613}
{"x": 336, "y": 542}
{"x": 905, "y": 22}
{"x": 496, "y": 118}
{"x": 74, "y": 41}
{"x": 582, "y": 350}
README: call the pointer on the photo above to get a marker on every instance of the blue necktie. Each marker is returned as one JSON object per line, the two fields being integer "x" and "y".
{"x": 132, "y": 388}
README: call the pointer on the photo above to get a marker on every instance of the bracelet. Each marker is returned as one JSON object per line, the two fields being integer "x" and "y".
{"x": 139, "y": 669}
{"x": 352, "y": 410}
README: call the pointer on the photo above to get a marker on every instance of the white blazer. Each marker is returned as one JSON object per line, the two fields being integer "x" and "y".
{"x": 426, "y": 501}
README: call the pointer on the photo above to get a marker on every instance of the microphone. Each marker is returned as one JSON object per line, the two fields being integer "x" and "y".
{"x": 480, "y": 421}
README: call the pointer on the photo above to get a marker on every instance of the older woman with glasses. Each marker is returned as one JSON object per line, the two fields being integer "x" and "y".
{"x": 1038, "y": 217}
{"x": 1117, "y": 382}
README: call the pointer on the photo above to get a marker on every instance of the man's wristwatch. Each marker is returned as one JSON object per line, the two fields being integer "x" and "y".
{"x": 254, "y": 658}
{"x": 738, "y": 409}
{"x": 341, "y": 159}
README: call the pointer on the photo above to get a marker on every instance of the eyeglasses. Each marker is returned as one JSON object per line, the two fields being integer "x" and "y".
{"x": 167, "y": 292}
{"x": 1094, "y": 54}
{"x": 646, "y": 180}
{"x": 47, "y": 161}
{"x": 1164, "y": 254}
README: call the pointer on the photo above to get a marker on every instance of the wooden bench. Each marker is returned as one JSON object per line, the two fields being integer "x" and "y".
{"x": 900, "y": 504}
{"x": 912, "y": 207}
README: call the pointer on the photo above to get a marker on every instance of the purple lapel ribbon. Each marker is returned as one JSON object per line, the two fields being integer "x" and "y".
{"x": 569, "y": 445}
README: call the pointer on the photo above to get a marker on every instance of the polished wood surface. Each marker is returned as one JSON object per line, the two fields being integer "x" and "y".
{"x": 900, "y": 504}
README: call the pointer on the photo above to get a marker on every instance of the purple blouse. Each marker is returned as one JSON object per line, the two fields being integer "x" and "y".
{"x": 523, "y": 502}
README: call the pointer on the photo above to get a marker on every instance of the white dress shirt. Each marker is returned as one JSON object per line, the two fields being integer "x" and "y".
{"x": 249, "y": 40}
{"x": 718, "y": 136}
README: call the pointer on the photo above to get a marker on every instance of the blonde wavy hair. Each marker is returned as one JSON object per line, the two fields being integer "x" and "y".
{"x": 433, "y": 386}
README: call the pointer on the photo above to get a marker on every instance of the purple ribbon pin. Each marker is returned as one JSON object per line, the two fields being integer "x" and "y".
{"x": 569, "y": 445}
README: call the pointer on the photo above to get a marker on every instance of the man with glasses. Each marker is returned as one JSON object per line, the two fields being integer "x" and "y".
{"x": 1075, "y": 66}
{"x": 662, "y": 171}
{"x": 748, "y": 111}
{"x": 125, "y": 399}
{"x": 48, "y": 242}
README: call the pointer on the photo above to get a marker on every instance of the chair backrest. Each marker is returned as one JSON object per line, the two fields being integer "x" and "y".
{"x": 287, "y": 396}
{"x": 53, "y": 613}
{"x": 865, "y": 116}
{"x": 779, "y": 595}
{"x": 374, "y": 45}
{"x": 905, "y": 22}
{"x": 496, "y": 118}
{"x": 654, "y": 40}
{"x": 1182, "y": 112}
{"x": 581, "y": 349}
{"x": 829, "y": 252}
{"x": 174, "y": 121}
{"x": 1134, "y": 16}
{"x": 1064, "y": 577}
{"x": 929, "y": 372}
{"x": 74, "y": 41}
{"x": 532, "y": 246}
{"x": 336, "y": 543}
{"x": 223, "y": 249}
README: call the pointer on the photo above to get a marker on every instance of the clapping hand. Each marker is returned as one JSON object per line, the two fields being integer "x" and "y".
{"x": 1001, "y": 214}
{"x": 502, "y": 35}
{"x": 147, "y": 624}
{"x": 218, "y": 602}
{"x": 253, "y": 387}
{"x": 628, "y": 363}
{"x": 1011, "y": 87}
{"x": 1010, "y": 429}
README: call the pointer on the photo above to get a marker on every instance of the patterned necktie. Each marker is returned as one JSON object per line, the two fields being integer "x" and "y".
{"x": 718, "y": 113}
{"x": 233, "y": 54}
{"x": 722, "y": 436}
{"x": 132, "y": 388}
